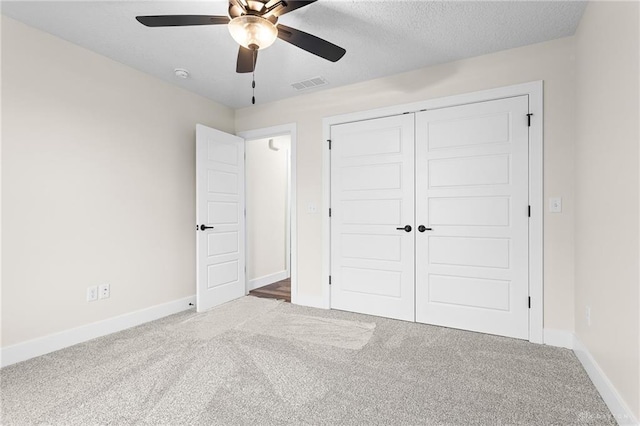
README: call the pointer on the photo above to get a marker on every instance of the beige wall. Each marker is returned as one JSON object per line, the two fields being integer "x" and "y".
{"x": 607, "y": 190}
{"x": 98, "y": 185}
{"x": 266, "y": 194}
{"x": 552, "y": 62}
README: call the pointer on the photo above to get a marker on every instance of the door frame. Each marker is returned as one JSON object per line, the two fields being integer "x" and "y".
{"x": 534, "y": 90}
{"x": 271, "y": 132}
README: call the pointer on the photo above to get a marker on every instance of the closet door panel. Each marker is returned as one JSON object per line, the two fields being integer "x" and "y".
{"x": 472, "y": 192}
{"x": 372, "y": 194}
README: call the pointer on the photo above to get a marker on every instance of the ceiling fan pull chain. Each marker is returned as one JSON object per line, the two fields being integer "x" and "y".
{"x": 253, "y": 87}
{"x": 253, "y": 83}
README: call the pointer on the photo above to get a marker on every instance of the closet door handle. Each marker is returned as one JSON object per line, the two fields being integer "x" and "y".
{"x": 423, "y": 228}
{"x": 203, "y": 227}
{"x": 405, "y": 228}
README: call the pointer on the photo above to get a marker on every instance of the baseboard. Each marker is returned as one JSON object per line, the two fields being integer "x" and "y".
{"x": 267, "y": 279}
{"x": 53, "y": 342}
{"x": 611, "y": 397}
{"x": 558, "y": 338}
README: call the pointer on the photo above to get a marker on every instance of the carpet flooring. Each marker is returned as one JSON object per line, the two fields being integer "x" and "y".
{"x": 265, "y": 362}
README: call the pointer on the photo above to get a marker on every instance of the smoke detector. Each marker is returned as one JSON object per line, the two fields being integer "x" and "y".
{"x": 181, "y": 73}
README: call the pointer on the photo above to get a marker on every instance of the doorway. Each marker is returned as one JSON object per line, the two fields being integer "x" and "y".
{"x": 267, "y": 183}
{"x": 270, "y": 212}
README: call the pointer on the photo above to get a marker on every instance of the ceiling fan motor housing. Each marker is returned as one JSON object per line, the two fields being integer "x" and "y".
{"x": 266, "y": 9}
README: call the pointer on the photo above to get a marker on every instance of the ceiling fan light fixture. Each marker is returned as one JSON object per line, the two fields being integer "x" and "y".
{"x": 253, "y": 32}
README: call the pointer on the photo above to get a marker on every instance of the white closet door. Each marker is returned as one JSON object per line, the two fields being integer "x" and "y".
{"x": 372, "y": 193}
{"x": 472, "y": 191}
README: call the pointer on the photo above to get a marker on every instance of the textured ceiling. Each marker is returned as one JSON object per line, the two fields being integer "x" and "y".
{"x": 381, "y": 38}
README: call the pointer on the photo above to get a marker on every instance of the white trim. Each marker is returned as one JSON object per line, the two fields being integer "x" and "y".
{"x": 267, "y": 279}
{"x": 558, "y": 338}
{"x": 54, "y": 342}
{"x": 620, "y": 410}
{"x": 325, "y": 301}
{"x": 536, "y": 221}
{"x": 536, "y": 160}
{"x": 285, "y": 129}
{"x": 566, "y": 339}
{"x": 287, "y": 226}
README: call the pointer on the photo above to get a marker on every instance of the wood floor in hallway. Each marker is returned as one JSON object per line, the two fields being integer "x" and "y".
{"x": 280, "y": 290}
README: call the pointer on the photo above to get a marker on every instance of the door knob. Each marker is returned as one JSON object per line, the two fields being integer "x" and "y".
{"x": 423, "y": 228}
{"x": 203, "y": 227}
{"x": 405, "y": 228}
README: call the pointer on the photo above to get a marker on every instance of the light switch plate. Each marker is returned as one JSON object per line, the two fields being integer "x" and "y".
{"x": 555, "y": 205}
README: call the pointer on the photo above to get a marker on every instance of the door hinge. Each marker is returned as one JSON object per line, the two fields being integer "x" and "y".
{"x": 329, "y": 211}
{"x": 529, "y": 119}
{"x": 329, "y": 140}
{"x": 329, "y": 279}
{"x": 529, "y": 211}
{"x": 529, "y": 302}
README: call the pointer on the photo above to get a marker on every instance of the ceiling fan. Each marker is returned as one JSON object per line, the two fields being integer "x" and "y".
{"x": 253, "y": 24}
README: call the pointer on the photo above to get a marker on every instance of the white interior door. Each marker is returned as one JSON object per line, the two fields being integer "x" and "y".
{"x": 220, "y": 217}
{"x": 472, "y": 192}
{"x": 372, "y": 184}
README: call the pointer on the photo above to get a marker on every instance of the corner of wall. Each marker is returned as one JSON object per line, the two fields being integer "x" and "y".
{"x": 606, "y": 264}
{"x": 610, "y": 395}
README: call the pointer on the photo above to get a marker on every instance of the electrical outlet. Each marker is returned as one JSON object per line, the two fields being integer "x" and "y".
{"x": 587, "y": 314}
{"x": 92, "y": 293}
{"x": 104, "y": 291}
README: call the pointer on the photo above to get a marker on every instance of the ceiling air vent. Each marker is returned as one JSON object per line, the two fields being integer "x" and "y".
{"x": 309, "y": 84}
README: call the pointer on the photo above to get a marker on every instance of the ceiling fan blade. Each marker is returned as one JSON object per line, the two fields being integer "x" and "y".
{"x": 181, "y": 20}
{"x": 293, "y": 5}
{"x": 311, "y": 43}
{"x": 246, "y": 60}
